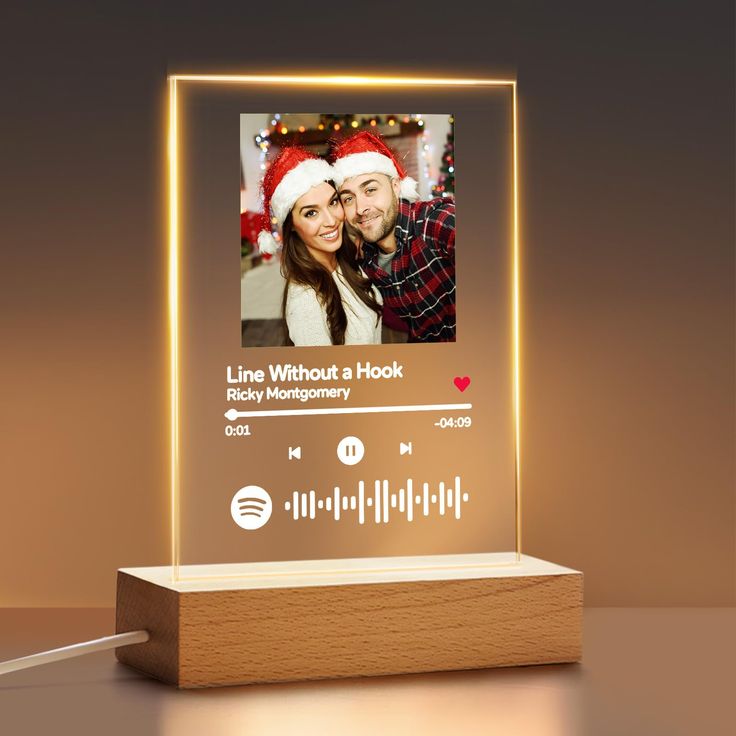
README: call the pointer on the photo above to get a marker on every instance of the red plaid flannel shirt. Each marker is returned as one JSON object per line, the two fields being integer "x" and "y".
{"x": 421, "y": 285}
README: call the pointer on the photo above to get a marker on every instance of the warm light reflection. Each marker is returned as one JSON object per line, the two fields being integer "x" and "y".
{"x": 341, "y": 81}
{"x": 174, "y": 250}
{"x": 173, "y": 276}
{"x": 523, "y": 701}
{"x": 516, "y": 317}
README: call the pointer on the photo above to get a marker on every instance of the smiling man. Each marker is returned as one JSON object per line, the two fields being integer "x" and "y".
{"x": 408, "y": 246}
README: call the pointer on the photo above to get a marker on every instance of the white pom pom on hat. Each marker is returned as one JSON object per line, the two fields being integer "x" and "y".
{"x": 267, "y": 243}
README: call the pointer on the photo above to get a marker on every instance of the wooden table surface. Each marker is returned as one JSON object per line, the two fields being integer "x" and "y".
{"x": 645, "y": 671}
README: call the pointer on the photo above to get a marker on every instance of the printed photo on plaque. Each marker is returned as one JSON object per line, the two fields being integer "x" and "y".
{"x": 365, "y": 198}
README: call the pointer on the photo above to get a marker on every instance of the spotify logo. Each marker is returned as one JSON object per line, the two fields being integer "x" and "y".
{"x": 251, "y": 507}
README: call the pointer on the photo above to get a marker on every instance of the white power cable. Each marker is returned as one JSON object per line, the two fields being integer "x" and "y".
{"x": 74, "y": 650}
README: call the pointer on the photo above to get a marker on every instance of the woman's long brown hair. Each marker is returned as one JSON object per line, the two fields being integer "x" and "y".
{"x": 300, "y": 267}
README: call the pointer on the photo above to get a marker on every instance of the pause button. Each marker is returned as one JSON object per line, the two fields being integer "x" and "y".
{"x": 350, "y": 450}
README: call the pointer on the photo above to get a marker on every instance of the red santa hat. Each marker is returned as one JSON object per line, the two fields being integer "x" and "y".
{"x": 293, "y": 173}
{"x": 366, "y": 153}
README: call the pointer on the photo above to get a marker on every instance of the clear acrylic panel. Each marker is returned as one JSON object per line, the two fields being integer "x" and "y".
{"x": 340, "y": 456}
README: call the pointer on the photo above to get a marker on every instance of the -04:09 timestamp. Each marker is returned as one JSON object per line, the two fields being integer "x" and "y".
{"x": 453, "y": 422}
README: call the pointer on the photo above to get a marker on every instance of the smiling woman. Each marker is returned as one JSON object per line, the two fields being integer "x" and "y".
{"x": 326, "y": 300}
{"x": 318, "y": 218}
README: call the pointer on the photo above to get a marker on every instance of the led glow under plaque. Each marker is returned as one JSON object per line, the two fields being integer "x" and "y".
{"x": 344, "y": 290}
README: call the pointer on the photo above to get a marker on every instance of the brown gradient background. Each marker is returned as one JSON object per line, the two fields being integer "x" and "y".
{"x": 628, "y": 267}
{"x": 214, "y": 467}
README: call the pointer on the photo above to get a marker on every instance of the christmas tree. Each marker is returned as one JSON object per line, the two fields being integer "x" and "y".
{"x": 445, "y": 187}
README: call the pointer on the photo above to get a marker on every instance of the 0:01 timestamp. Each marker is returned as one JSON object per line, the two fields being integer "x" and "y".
{"x": 237, "y": 430}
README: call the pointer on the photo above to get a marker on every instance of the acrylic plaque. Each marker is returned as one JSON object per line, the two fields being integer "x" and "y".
{"x": 394, "y": 435}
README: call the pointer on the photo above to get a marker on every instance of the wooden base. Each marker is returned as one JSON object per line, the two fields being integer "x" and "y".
{"x": 276, "y": 622}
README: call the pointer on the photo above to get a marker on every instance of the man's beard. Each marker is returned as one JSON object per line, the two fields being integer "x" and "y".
{"x": 388, "y": 223}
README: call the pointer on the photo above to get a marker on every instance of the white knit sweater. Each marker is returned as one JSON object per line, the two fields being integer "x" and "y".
{"x": 306, "y": 317}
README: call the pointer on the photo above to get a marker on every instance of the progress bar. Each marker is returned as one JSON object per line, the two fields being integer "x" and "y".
{"x": 233, "y": 414}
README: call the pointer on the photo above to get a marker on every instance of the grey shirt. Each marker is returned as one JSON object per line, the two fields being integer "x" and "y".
{"x": 384, "y": 260}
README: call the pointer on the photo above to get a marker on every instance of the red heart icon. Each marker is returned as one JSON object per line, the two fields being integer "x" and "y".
{"x": 462, "y": 383}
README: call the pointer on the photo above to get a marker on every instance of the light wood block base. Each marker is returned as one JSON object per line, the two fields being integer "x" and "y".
{"x": 298, "y": 621}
